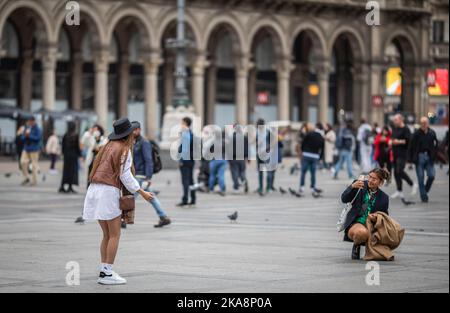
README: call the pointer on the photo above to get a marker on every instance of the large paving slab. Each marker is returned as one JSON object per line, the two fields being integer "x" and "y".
{"x": 279, "y": 244}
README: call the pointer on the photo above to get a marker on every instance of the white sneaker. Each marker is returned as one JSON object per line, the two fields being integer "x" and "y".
{"x": 414, "y": 190}
{"x": 396, "y": 195}
{"x": 111, "y": 279}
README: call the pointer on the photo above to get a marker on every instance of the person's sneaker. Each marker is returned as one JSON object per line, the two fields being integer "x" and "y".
{"x": 79, "y": 219}
{"x": 123, "y": 225}
{"x": 356, "y": 251}
{"x": 111, "y": 279}
{"x": 191, "y": 204}
{"x": 246, "y": 186}
{"x": 221, "y": 193}
{"x": 301, "y": 190}
{"x": 317, "y": 190}
{"x": 62, "y": 190}
{"x": 414, "y": 190}
{"x": 181, "y": 204}
{"x": 163, "y": 222}
{"x": 25, "y": 182}
{"x": 316, "y": 194}
{"x": 396, "y": 194}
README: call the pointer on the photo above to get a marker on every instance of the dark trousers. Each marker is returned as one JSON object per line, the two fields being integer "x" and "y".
{"x": 309, "y": 164}
{"x": 400, "y": 174}
{"x": 187, "y": 179}
{"x": 237, "y": 168}
{"x": 53, "y": 158}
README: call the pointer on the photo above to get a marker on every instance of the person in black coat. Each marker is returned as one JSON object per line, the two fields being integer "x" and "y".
{"x": 71, "y": 151}
{"x": 367, "y": 199}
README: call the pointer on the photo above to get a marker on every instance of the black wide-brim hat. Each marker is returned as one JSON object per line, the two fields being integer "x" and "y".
{"x": 122, "y": 128}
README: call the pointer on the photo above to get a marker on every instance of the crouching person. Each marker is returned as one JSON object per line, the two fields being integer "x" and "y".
{"x": 367, "y": 199}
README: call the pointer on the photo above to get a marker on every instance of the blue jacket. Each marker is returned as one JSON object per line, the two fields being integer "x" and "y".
{"x": 142, "y": 157}
{"x": 33, "y": 142}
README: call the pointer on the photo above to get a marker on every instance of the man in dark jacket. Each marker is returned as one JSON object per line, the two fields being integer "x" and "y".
{"x": 422, "y": 152}
{"x": 312, "y": 147}
{"x": 32, "y": 137}
{"x": 143, "y": 165}
{"x": 239, "y": 140}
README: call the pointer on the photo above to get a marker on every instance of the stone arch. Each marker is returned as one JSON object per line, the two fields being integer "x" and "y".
{"x": 231, "y": 24}
{"x": 355, "y": 39}
{"x": 95, "y": 20}
{"x": 277, "y": 34}
{"x": 146, "y": 30}
{"x": 44, "y": 21}
{"x": 405, "y": 42}
{"x": 315, "y": 32}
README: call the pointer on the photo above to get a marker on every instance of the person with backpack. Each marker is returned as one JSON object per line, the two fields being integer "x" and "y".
{"x": 365, "y": 140}
{"x": 147, "y": 162}
{"x": 187, "y": 163}
{"x": 345, "y": 144}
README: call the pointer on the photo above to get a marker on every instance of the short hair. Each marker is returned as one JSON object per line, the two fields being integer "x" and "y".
{"x": 187, "y": 121}
{"x": 260, "y": 122}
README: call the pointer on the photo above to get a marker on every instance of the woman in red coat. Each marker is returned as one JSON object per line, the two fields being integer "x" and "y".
{"x": 383, "y": 151}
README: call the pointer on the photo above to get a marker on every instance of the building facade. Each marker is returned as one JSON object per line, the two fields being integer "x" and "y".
{"x": 284, "y": 60}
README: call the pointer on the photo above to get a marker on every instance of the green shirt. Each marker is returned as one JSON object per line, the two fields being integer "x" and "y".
{"x": 370, "y": 202}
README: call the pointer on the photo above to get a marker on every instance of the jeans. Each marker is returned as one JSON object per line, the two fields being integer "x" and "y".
{"x": 270, "y": 178}
{"x": 309, "y": 164}
{"x": 237, "y": 168}
{"x": 154, "y": 202}
{"x": 217, "y": 171}
{"x": 425, "y": 164}
{"x": 344, "y": 157}
{"x": 187, "y": 180}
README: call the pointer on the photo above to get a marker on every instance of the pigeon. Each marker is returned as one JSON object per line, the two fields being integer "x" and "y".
{"x": 294, "y": 193}
{"x": 168, "y": 183}
{"x": 79, "y": 220}
{"x": 316, "y": 194}
{"x": 294, "y": 168}
{"x": 233, "y": 217}
{"x": 8, "y": 175}
{"x": 282, "y": 191}
{"x": 406, "y": 202}
{"x": 43, "y": 178}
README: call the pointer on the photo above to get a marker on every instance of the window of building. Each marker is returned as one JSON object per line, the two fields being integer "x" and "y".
{"x": 438, "y": 31}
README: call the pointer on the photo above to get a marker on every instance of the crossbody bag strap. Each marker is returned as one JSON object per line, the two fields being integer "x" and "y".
{"x": 355, "y": 197}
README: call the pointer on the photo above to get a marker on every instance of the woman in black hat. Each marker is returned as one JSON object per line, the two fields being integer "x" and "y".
{"x": 112, "y": 170}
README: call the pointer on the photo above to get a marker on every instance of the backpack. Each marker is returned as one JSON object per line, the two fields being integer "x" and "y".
{"x": 156, "y": 156}
{"x": 368, "y": 137}
{"x": 344, "y": 141}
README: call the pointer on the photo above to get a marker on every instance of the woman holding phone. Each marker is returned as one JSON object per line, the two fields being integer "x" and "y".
{"x": 367, "y": 199}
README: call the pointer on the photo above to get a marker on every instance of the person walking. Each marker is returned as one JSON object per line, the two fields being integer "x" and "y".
{"x": 265, "y": 156}
{"x": 239, "y": 142}
{"x": 144, "y": 165}
{"x": 218, "y": 164}
{"x": 32, "y": 138}
{"x": 422, "y": 152}
{"x": 71, "y": 152}
{"x": 329, "y": 146}
{"x": 53, "y": 149}
{"x": 111, "y": 172}
{"x": 400, "y": 140}
{"x": 312, "y": 147}
{"x": 345, "y": 144}
{"x": 365, "y": 141}
{"x": 19, "y": 144}
{"x": 187, "y": 163}
{"x": 383, "y": 152}
{"x": 367, "y": 198}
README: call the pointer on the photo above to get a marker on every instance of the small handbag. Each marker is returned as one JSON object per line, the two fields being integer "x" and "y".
{"x": 343, "y": 217}
{"x": 126, "y": 200}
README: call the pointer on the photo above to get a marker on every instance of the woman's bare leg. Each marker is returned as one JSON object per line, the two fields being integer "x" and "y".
{"x": 358, "y": 233}
{"x": 114, "y": 237}
{"x": 104, "y": 244}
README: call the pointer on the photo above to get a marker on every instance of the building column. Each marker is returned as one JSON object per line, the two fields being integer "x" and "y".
{"x": 151, "y": 67}
{"x": 198, "y": 85}
{"x": 360, "y": 101}
{"x": 304, "y": 82}
{"x": 101, "y": 86}
{"x": 26, "y": 79}
{"x": 77, "y": 81}
{"x": 124, "y": 81}
{"x": 252, "y": 77}
{"x": 48, "y": 85}
{"x": 211, "y": 94}
{"x": 420, "y": 93}
{"x": 243, "y": 66}
{"x": 284, "y": 68}
{"x": 323, "y": 77}
{"x": 168, "y": 83}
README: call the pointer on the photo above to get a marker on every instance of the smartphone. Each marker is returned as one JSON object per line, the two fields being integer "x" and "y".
{"x": 362, "y": 177}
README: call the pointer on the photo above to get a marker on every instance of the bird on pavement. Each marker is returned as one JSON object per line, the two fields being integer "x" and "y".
{"x": 294, "y": 193}
{"x": 233, "y": 217}
{"x": 8, "y": 175}
{"x": 282, "y": 191}
{"x": 407, "y": 202}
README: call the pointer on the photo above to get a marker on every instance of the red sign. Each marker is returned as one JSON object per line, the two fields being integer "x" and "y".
{"x": 377, "y": 101}
{"x": 263, "y": 97}
{"x": 431, "y": 78}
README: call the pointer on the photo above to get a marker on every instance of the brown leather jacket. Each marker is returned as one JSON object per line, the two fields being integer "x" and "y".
{"x": 108, "y": 171}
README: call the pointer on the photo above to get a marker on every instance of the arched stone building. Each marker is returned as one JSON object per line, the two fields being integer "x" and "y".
{"x": 281, "y": 60}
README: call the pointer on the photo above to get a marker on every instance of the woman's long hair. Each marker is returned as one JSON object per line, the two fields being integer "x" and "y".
{"x": 128, "y": 144}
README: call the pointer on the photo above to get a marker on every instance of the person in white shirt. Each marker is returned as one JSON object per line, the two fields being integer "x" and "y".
{"x": 53, "y": 149}
{"x": 365, "y": 140}
{"x": 110, "y": 174}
